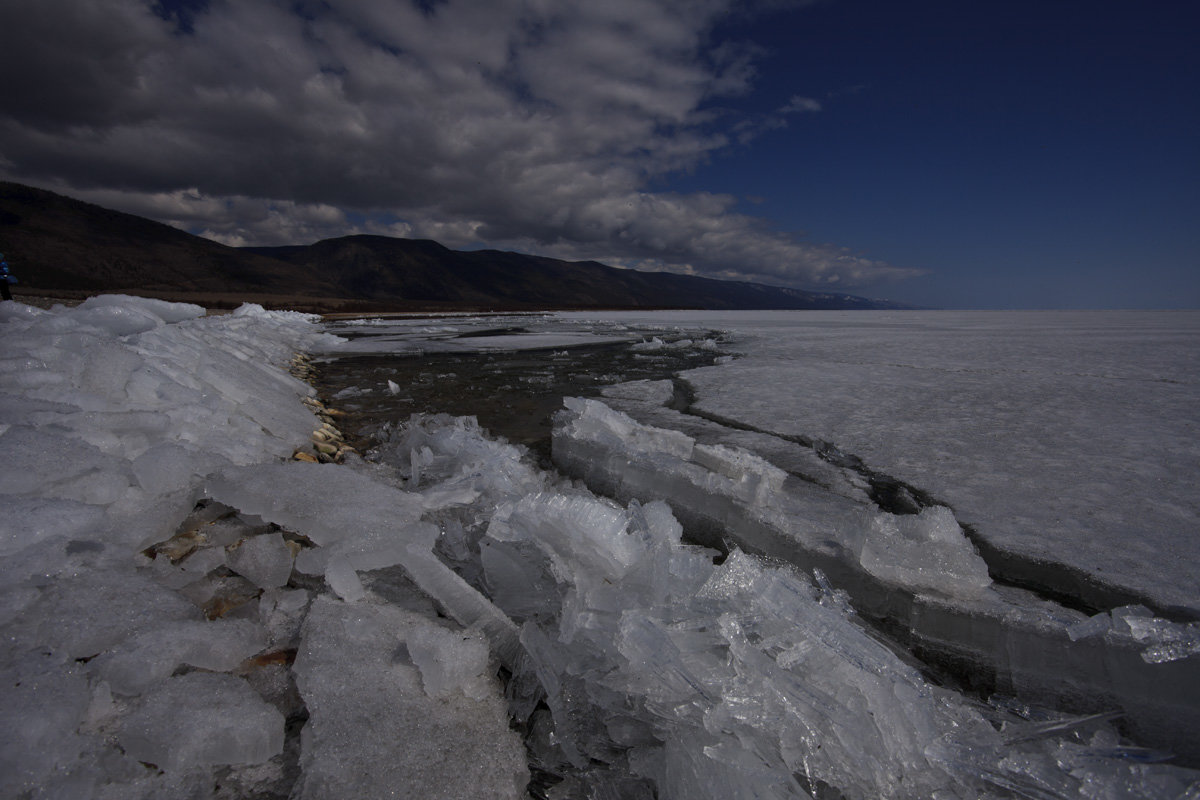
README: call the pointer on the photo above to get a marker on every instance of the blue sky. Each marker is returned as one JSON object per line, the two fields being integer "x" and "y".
{"x": 1026, "y": 154}
{"x": 946, "y": 154}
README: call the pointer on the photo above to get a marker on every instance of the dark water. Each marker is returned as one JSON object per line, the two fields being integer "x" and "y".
{"x": 513, "y": 394}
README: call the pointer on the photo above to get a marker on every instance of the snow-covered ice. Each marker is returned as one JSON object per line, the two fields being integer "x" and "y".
{"x": 190, "y": 614}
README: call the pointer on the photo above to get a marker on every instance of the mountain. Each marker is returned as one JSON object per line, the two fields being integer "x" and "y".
{"x": 59, "y": 245}
{"x": 381, "y": 267}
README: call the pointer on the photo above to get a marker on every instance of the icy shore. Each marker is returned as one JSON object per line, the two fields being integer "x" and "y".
{"x": 189, "y": 613}
{"x": 915, "y": 574}
{"x": 150, "y": 641}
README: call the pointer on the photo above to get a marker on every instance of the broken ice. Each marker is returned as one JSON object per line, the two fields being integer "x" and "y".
{"x": 164, "y": 567}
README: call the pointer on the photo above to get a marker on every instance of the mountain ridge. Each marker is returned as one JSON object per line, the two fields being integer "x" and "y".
{"x": 59, "y": 244}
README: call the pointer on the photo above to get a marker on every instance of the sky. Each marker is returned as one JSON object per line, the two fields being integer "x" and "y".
{"x": 983, "y": 154}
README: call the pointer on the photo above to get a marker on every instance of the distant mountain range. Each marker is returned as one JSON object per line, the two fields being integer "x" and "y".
{"x": 57, "y": 245}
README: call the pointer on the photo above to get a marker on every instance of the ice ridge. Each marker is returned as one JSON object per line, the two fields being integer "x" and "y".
{"x": 915, "y": 573}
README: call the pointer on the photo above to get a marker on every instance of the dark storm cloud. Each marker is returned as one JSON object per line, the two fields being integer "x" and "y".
{"x": 530, "y": 124}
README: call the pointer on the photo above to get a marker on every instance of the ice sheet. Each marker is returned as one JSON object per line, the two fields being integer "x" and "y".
{"x": 360, "y": 524}
{"x": 1061, "y": 438}
{"x": 367, "y": 692}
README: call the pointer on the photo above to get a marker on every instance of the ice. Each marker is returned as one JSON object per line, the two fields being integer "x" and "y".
{"x": 570, "y": 529}
{"x": 518, "y": 582}
{"x": 737, "y": 680}
{"x": 463, "y": 602}
{"x": 97, "y": 611}
{"x": 201, "y": 719}
{"x": 1057, "y": 436}
{"x": 29, "y": 520}
{"x": 927, "y": 551}
{"x": 755, "y": 479}
{"x": 742, "y": 493}
{"x": 365, "y": 696}
{"x": 471, "y": 335}
{"x": 593, "y": 420}
{"x": 145, "y": 621}
{"x": 446, "y": 456}
{"x": 166, "y": 311}
{"x": 155, "y": 654}
{"x": 343, "y": 580}
{"x": 657, "y": 393}
{"x": 123, "y": 316}
{"x": 281, "y": 612}
{"x": 46, "y": 698}
{"x": 266, "y": 561}
{"x": 327, "y": 503}
{"x": 1094, "y": 625}
{"x": 166, "y": 466}
{"x": 918, "y": 573}
{"x": 1163, "y": 640}
{"x": 114, "y": 412}
{"x": 451, "y": 662}
{"x": 349, "y": 392}
{"x": 85, "y": 474}
{"x": 370, "y": 526}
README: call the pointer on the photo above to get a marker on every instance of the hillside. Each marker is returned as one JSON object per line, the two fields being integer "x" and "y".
{"x": 60, "y": 245}
{"x": 57, "y": 243}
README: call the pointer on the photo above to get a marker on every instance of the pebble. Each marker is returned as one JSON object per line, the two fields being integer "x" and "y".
{"x": 328, "y": 443}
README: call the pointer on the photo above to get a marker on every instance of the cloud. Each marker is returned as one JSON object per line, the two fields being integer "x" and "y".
{"x": 528, "y": 124}
{"x": 799, "y": 104}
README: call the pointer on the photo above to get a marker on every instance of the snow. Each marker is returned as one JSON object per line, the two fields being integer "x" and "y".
{"x": 190, "y": 614}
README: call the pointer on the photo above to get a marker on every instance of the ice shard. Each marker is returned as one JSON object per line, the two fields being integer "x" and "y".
{"x": 917, "y": 573}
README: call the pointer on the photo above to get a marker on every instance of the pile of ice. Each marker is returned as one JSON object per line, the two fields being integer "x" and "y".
{"x": 1163, "y": 640}
{"x": 917, "y": 574}
{"x": 151, "y": 631}
{"x": 656, "y": 344}
{"x": 745, "y": 680}
{"x": 647, "y": 669}
{"x": 188, "y": 614}
{"x": 112, "y": 411}
{"x": 742, "y": 495}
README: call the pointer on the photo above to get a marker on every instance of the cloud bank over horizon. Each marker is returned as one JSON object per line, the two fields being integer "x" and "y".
{"x": 545, "y": 127}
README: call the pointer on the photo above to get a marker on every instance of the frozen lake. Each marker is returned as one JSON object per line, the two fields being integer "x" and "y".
{"x": 1057, "y": 447}
{"x": 1065, "y": 439}
{"x": 1069, "y": 443}
{"x": 811, "y": 555}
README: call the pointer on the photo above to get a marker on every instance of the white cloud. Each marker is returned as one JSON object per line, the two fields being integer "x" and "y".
{"x": 519, "y": 123}
{"x": 799, "y": 104}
